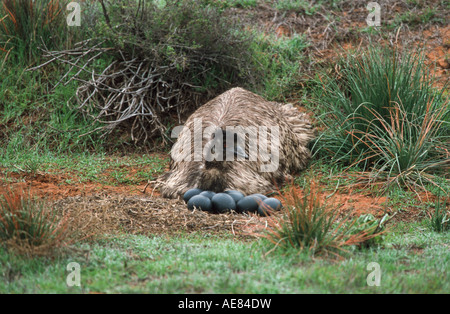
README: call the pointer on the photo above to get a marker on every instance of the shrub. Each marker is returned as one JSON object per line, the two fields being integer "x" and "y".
{"x": 30, "y": 225}
{"x": 311, "y": 225}
{"x": 384, "y": 114}
{"x": 149, "y": 64}
{"x": 277, "y": 63}
{"x": 167, "y": 59}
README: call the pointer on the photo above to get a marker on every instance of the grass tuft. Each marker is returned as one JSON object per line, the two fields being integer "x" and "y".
{"x": 439, "y": 219}
{"x": 385, "y": 116}
{"x": 26, "y": 25}
{"x": 30, "y": 226}
{"x": 311, "y": 225}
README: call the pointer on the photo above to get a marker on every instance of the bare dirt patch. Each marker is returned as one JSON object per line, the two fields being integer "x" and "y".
{"x": 55, "y": 187}
{"x": 335, "y": 29}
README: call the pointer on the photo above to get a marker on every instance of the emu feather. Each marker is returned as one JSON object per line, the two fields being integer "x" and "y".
{"x": 238, "y": 108}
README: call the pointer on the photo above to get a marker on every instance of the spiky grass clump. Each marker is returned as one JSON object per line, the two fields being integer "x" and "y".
{"x": 313, "y": 226}
{"x": 29, "y": 225}
{"x": 385, "y": 115}
{"x": 27, "y": 24}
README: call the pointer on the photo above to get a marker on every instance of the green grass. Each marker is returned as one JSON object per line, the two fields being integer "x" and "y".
{"x": 36, "y": 118}
{"x": 235, "y": 3}
{"x": 308, "y": 7}
{"x": 412, "y": 260}
{"x": 278, "y": 61}
{"x": 27, "y": 25}
{"x": 428, "y": 15}
{"x": 86, "y": 167}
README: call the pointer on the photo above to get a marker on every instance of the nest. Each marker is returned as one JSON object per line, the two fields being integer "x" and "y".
{"x": 99, "y": 215}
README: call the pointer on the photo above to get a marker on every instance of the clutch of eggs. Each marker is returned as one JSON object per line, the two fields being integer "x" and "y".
{"x": 230, "y": 200}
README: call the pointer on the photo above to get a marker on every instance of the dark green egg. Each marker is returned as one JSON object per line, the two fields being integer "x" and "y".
{"x": 261, "y": 196}
{"x": 200, "y": 202}
{"x": 189, "y": 193}
{"x": 208, "y": 194}
{"x": 222, "y": 203}
{"x": 236, "y": 195}
{"x": 248, "y": 204}
{"x": 234, "y": 192}
{"x": 269, "y": 204}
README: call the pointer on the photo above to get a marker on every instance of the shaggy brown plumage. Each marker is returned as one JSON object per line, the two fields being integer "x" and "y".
{"x": 239, "y": 107}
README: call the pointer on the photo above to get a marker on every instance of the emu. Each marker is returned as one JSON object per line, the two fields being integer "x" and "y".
{"x": 233, "y": 148}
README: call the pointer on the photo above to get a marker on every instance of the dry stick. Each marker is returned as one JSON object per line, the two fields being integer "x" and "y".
{"x": 80, "y": 70}
{"x": 105, "y": 14}
{"x": 41, "y": 65}
{"x": 82, "y": 54}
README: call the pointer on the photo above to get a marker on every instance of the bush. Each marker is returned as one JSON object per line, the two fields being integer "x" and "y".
{"x": 168, "y": 57}
{"x": 147, "y": 65}
{"x": 384, "y": 114}
{"x": 277, "y": 61}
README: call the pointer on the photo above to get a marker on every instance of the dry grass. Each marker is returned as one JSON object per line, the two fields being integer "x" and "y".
{"x": 99, "y": 215}
{"x": 74, "y": 219}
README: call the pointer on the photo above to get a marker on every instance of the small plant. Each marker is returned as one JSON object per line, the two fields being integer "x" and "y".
{"x": 370, "y": 225}
{"x": 30, "y": 225}
{"x": 32, "y": 166}
{"x": 311, "y": 225}
{"x": 439, "y": 219}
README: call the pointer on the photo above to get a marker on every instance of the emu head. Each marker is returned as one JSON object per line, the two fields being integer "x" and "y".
{"x": 221, "y": 150}
{"x": 224, "y": 146}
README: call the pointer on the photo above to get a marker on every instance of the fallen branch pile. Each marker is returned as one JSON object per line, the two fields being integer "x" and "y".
{"x": 132, "y": 92}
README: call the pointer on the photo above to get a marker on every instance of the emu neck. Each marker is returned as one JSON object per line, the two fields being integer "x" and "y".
{"x": 213, "y": 176}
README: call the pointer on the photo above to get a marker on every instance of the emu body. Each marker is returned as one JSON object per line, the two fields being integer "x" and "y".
{"x": 238, "y": 108}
